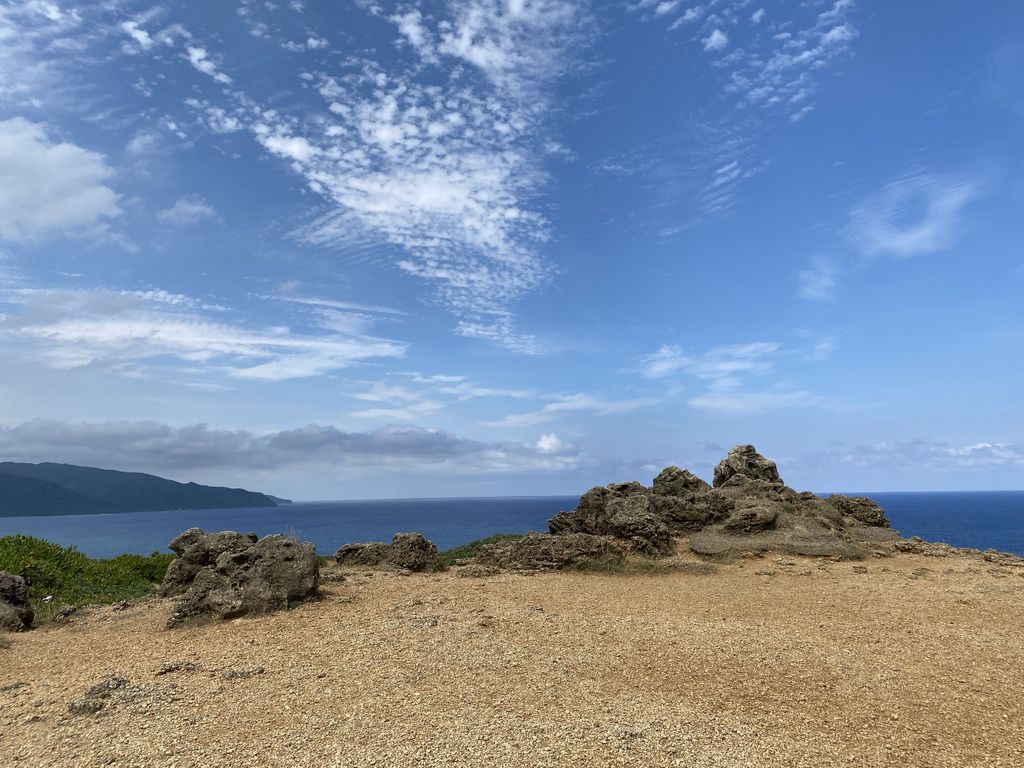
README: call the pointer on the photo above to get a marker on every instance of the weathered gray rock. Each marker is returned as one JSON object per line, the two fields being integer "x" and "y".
{"x": 16, "y": 613}
{"x": 860, "y": 508}
{"x": 545, "y": 551}
{"x": 673, "y": 481}
{"x": 406, "y": 550}
{"x": 751, "y": 520}
{"x": 196, "y": 550}
{"x": 363, "y": 553}
{"x": 744, "y": 464}
{"x": 623, "y": 511}
{"x": 692, "y": 511}
{"x": 270, "y": 574}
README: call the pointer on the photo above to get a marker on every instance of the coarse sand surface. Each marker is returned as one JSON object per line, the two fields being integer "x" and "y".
{"x": 897, "y": 661}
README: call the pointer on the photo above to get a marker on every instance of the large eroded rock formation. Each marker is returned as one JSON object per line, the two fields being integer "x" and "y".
{"x": 747, "y": 509}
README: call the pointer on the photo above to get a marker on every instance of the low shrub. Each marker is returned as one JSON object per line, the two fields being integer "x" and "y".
{"x": 60, "y": 577}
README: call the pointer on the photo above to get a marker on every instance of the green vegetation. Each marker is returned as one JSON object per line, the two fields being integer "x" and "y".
{"x": 449, "y": 556}
{"x": 71, "y": 579}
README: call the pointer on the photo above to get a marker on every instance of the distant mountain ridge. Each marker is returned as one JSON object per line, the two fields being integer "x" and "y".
{"x": 67, "y": 489}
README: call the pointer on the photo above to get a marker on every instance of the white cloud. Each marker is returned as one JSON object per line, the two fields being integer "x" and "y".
{"x": 50, "y": 187}
{"x": 549, "y": 443}
{"x": 566, "y": 403}
{"x": 820, "y": 280}
{"x": 200, "y": 59}
{"x": 191, "y": 209}
{"x": 138, "y": 34}
{"x": 729, "y": 398}
{"x": 724, "y": 370}
{"x": 164, "y": 449}
{"x": 410, "y": 26}
{"x": 76, "y": 328}
{"x": 411, "y": 412}
{"x": 716, "y": 41}
{"x": 924, "y": 454}
{"x": 445, "y": 168}
{"x": 915, "y": 215}
{"x": 292, "y": 147}
{"x": 665, "y": 361}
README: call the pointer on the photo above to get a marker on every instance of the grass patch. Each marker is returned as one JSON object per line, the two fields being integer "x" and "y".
{"x": 449, "y": 556}
{"x": 70, "y": 578}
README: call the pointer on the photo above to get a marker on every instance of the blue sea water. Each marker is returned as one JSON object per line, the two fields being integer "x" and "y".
{"x": 969, "y": 519}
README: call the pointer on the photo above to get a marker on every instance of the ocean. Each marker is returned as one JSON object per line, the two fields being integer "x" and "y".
{"x": 987, "y": 519}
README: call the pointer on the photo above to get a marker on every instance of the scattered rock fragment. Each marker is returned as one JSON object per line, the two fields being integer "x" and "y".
{"x": 171, "y": 667}
{"x": 98, "y": 696}
{"x": 242, "y": 672}
{"x": 116, "y": 691}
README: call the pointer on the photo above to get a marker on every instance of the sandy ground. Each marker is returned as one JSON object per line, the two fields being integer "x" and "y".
{"x": 762, "y": 663}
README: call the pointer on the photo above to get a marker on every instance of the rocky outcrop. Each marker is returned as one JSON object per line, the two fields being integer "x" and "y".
{"x": 743, "y": 465}
{"x": 409, "y": 551}
{"x": 623, "y": 511}
{"x": 748, "y": 509}
{"x": 551, "y": 552}
{"x": 16, "y": 613}
{"x": 248, "y": 576}
{"x": 673, "y": 481}
{"x": 196, "y": 550}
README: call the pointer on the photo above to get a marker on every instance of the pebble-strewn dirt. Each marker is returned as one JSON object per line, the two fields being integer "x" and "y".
{"x": 768, "y": 662}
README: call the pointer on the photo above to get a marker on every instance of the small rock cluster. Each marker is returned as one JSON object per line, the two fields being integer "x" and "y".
{"x": 230, "y": 574}
{"x": 15, "y": 612}
{"x": 407, "y": 551}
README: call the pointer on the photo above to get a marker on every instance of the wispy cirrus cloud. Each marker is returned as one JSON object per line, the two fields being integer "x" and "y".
{"x": 568, "y": 403}
{"x": 440, "y": 160}
{"x": 724, "y": 372}
{"x": 770, "y": 66}
{"x": 127, "y": 329}
{"x": 915, "y": 215}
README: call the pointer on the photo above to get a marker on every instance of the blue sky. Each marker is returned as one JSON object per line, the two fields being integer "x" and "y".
{"x": 337, "y": 250}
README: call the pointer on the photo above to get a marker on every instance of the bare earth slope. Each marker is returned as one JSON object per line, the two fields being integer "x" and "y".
{"x": 773, "y": 661}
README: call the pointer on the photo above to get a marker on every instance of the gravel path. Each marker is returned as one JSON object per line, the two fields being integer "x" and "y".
{"x": 772, "y": 662}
